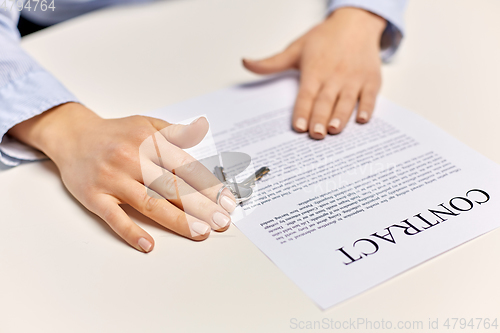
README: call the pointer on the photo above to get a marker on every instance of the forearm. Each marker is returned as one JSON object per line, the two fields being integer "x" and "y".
{"x": 26, "y": 90}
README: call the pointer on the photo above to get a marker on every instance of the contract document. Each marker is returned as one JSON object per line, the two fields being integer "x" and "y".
{"x": 343, "y": 214}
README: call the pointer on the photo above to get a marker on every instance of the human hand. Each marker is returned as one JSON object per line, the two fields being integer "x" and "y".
{"x": 340, "y": 65}
{"x": 107, "y": 162}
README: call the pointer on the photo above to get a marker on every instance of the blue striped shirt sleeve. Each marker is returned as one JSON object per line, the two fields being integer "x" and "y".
{"x": 391, "y": 10}
{"x": 26, "y": 89}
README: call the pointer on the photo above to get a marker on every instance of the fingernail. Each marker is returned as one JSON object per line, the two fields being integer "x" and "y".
{"x": 301, "y": 124}
{"x": 194, "y": 121}
{"x": 319, "y": 129}
{"x": 227, "y": 203}
{"x": 145, "y": 244}
{"x": 363, "y": 115}
{"x": 220, "y": 219}
{"x": 199, "y": 228}
{"x": 248, "y": 60}
{"x": 335, "y": 123}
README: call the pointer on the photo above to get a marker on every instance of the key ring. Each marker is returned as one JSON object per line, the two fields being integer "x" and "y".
{"x": 217, "y": 199}
{"x": 235, "y": 191}
{"x": 241, "y": 191}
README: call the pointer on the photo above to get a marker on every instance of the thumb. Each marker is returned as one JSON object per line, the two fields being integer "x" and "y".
{"x": 183, "y": 136}
{"x": 285, "y": 60}
{"x": 186, "y": 136}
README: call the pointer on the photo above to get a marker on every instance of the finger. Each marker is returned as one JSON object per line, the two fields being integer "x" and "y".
{"x": 108, "y": 209}
{"x": 322, "y": 110}
{"x": 367, "y": 103}
{"x": 343, "y": 109}
{"x": 183, "y": 136}
{"x": 180, "y": 163}
{"x": 192, "y": 202}
{"x": 162, "y": 211}
{"x": 282, "y": 61}
{"x": 308, "y": 90}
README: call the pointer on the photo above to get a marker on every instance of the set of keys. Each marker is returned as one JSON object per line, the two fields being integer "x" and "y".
{"x": 242, "y": 191}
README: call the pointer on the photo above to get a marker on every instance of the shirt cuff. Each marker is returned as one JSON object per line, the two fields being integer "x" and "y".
{"x": 22, "y": 99}
{"x": 391, "y": 10}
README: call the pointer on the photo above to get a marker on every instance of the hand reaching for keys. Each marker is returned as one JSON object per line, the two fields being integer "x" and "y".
{"x": 108, "y": 162}
{"x": 340, "y": 66}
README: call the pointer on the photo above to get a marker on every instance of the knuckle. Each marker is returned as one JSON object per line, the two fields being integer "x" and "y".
{"x": 149, "y": 204}
{"x": 185, "y": 162}
{"x": 169, "y": 186}
{"x": 127, "y": 231}
{"x": 104, "y": 171}
{"x": 90, "y": 198}
{"x": 142, "y": 128}
{"x": 374, "y": 74}
{"x": 307, "y": 92}
{"x": 179, "y": 219}
{"x": 327, "y": 97}
{"x": 370, "y": 92}
{"x": 141, "y": 133}
{"x": 122, "y": 152}
{"x": 136, "y": 118}
{"x": 373, "y": 83}
{"x": 344, "y": 69}
{"x": 189, "y": 167}
{"x": 140, "y": 121}
{"x": 109, "y": 215}
{"x": 349, "y": 94}
{"x": 343, "y": 110}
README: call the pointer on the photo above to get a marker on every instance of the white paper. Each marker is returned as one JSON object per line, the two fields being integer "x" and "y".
{"x": 346, "y": 213}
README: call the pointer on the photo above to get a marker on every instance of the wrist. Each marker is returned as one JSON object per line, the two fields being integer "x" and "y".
{"x": 54, "y": 131}
{"x": 361, "y": 20}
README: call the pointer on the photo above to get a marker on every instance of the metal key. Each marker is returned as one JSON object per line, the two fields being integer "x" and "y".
{"x": 250, "y": 181}
{"x": 242, "y": 191}
{"x": 219, "y": 173}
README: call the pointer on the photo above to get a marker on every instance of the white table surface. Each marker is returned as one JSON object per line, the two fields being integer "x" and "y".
{"x": 63, "y": 270}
